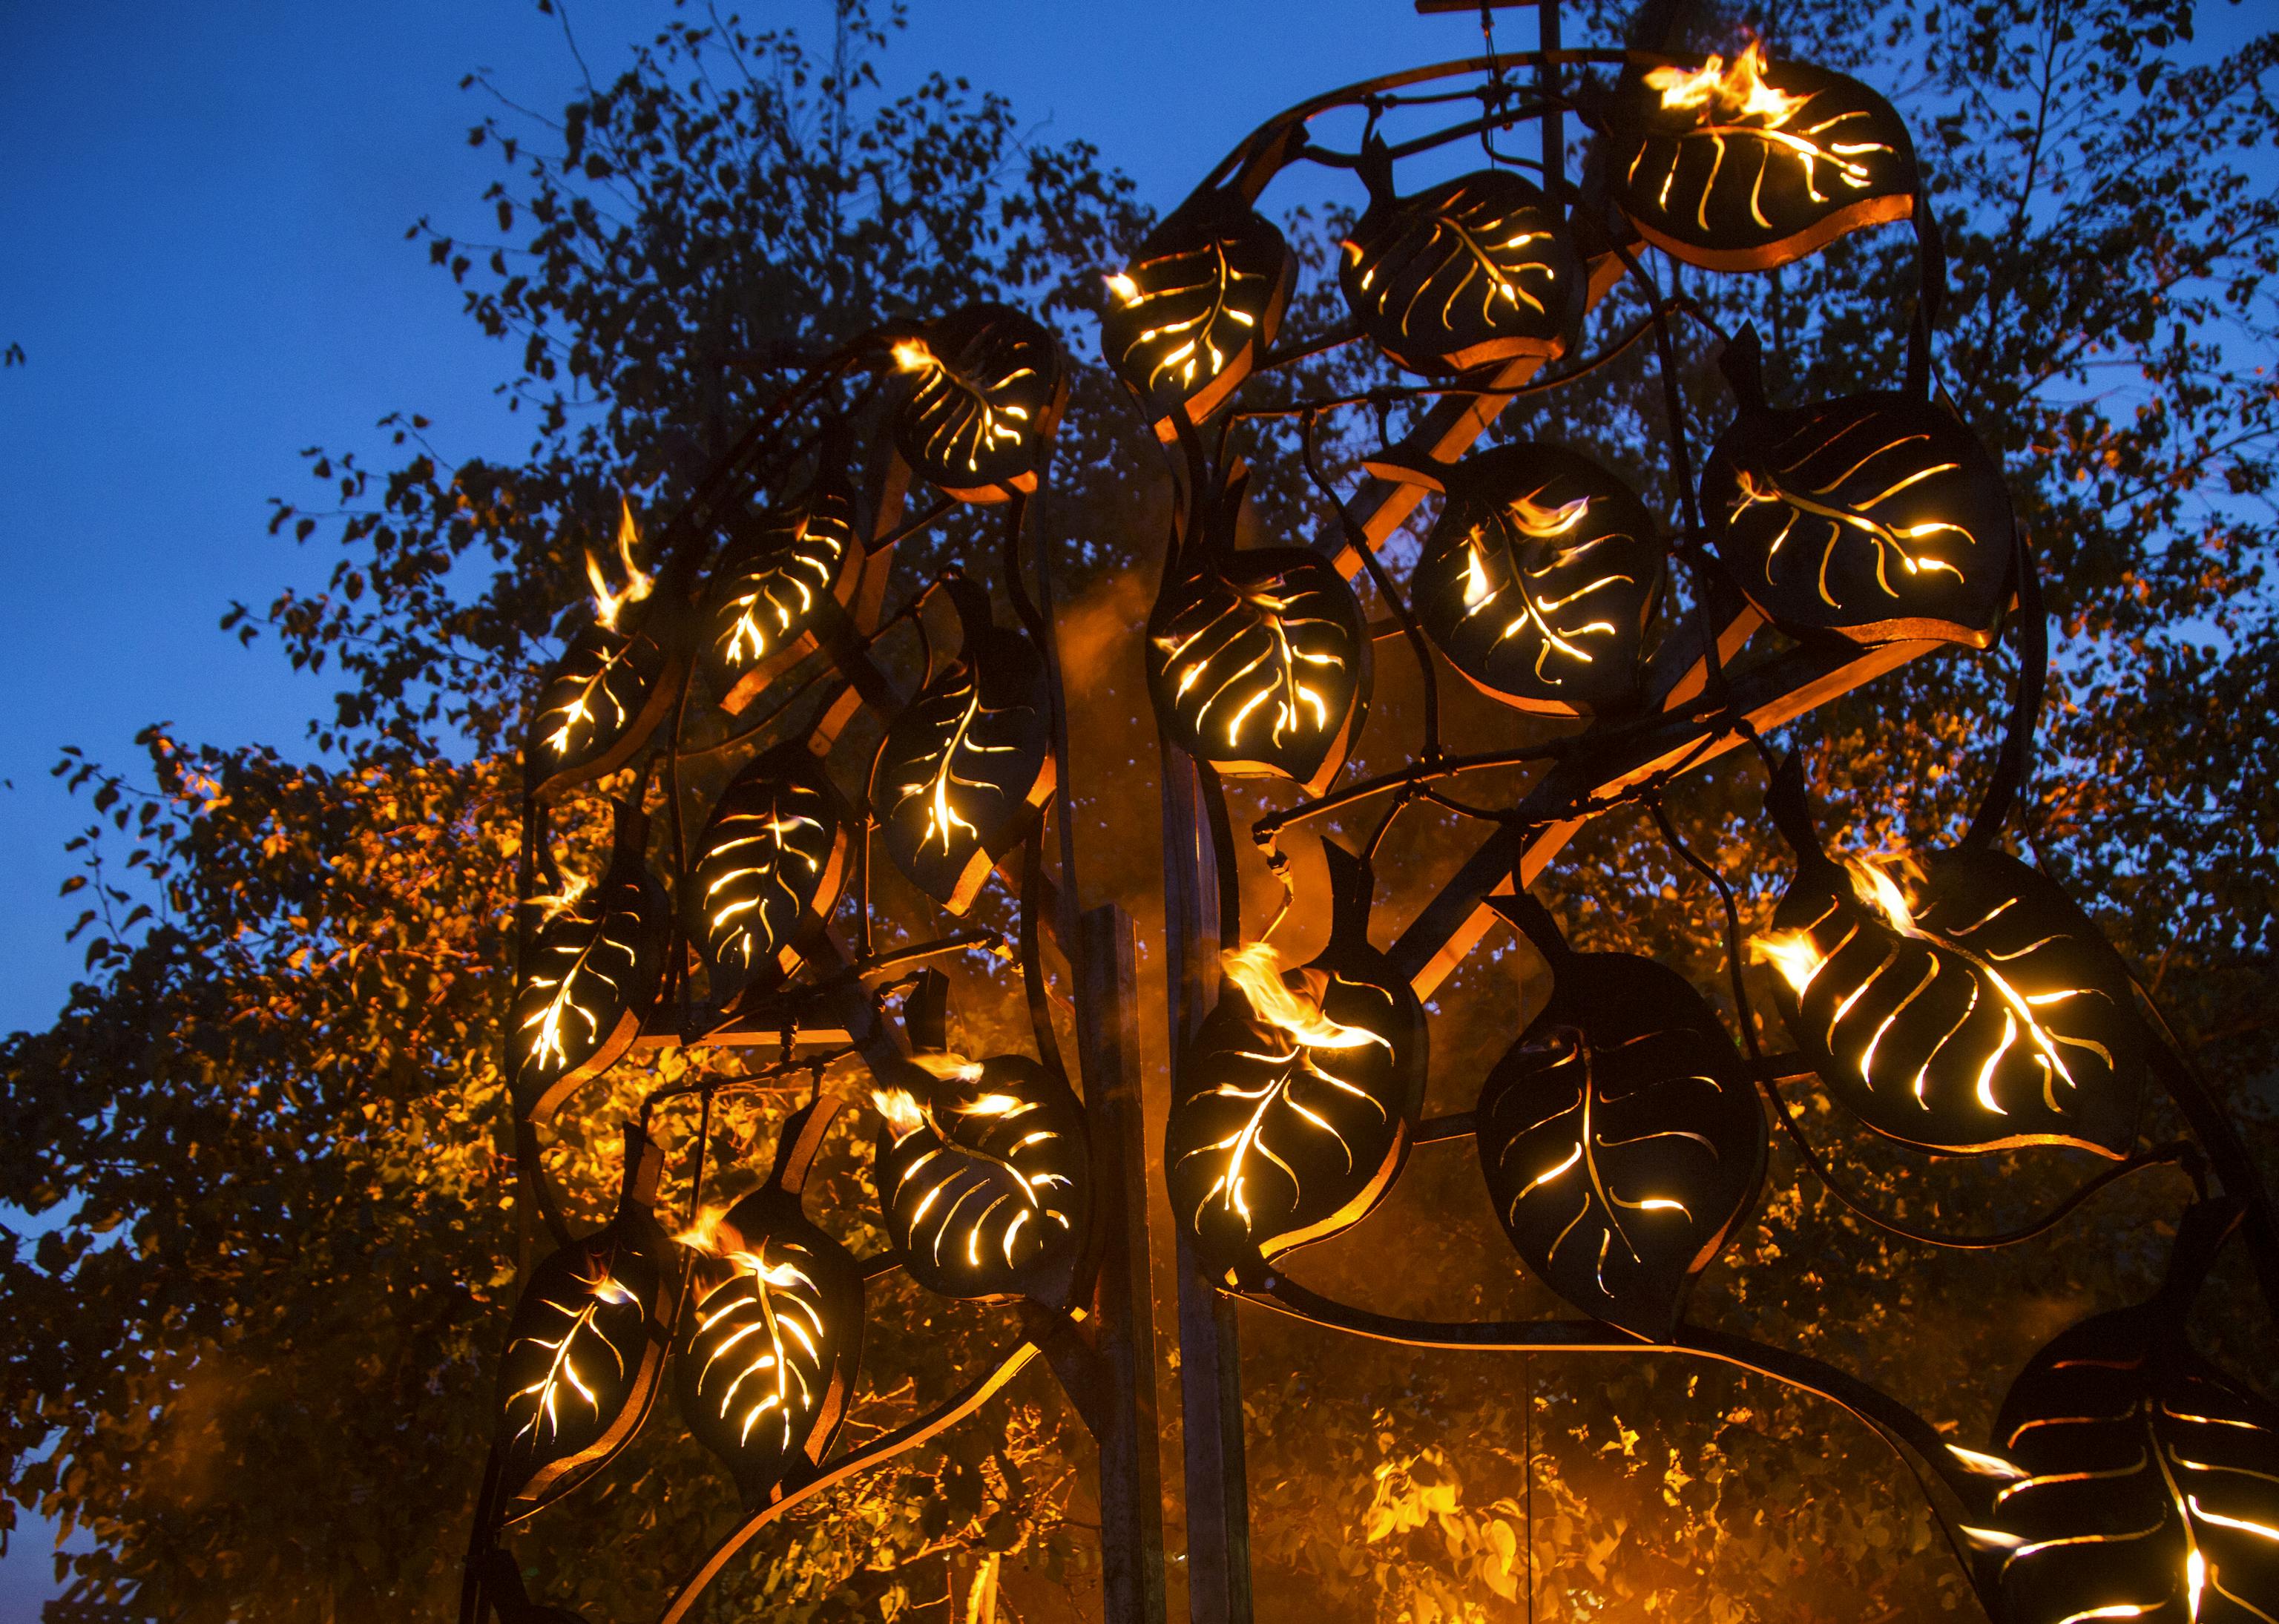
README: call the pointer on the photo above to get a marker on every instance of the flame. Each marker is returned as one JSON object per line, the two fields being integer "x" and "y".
{"x": 1873, "y": 886}
{"x": 1792, "y": 953}
{"x": 609, "y": 605}
{"x": 912, "y": 356}
{"x": 1476, "y": 590}
{"x": 949, "y": 1066}
{"x": 1983, "y": 1465}
{"x": 1256, "y": 971}
{"x": 990, "y": 1105}
{"x": 610, "y": 1289}
{"x": 781, "y": 1275}
{"x": 901, "y": 1108}
{"x": 552, "y": 908}
{"x": 1536, "y": 520}
{"x": 1739, "y": 90}
{"x": 704, "y": 1234}
{"x": 2195, "y": 1581}
{"x": 1123, "y": 288}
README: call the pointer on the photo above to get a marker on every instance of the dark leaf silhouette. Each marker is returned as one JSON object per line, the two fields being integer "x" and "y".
{"x": 983, "y": 1178}
{"x": 1197, "y": 305}
{"x": 769, "y": 867}
{"x": 779, "y": 571}
{"x": 1258, "y": 662}
{"x": 1967, "y": 1005}
{"x": 600, "y": 703}
{"x": 2138, "y": 1480}
{"x": 589, "y": 977}
{"x": 1475, "y": 270}
{"x": 1537, "y": 580}
{"x": 963, "y": 769}
{"x": 585, "y": 1347}
{"x": 1748, "y": 167}
{"x": 1621, "y": 1137}
{"x": 1879, "y": 517}
{"x": 986, "y": 396}
{"x": 1295, "y": 1102}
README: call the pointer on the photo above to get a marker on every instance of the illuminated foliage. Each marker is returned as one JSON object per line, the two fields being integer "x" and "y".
{"x": 780, "y": 568}
{"x": 1198, "y": 303}
{"x": 768, "y": 867}
{"x": 985, "y": 394}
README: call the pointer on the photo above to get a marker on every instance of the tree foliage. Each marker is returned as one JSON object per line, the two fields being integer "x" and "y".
{"x": 267, "y": 1136}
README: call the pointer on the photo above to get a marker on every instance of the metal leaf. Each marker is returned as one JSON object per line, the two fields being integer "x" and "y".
{"x": 585, "y": 1349}
{"x": 961, "y": 770}
{"x": 599, "y": 704}
{"x": 1748, "y": 167}
{"x": 1879, "y": 517}
{"x": 1475, "y": 270}
{"x": 1975, "y": 1010}
{"x": 769, "y": 867}
{"x": 984, "y": 1183}
{"x": 2140, "y": 1482}
{"x": 1622, "y": 1139}
{"x": 1537, "y": 580}
{"x": 779, "y": 571}
{"x": 986, "y": 396}
{"x": 767, "y": 1361}
{"x": 590, "y": 977}
{"x": 1259, "y": 663}
{"x": 1197, "y": 305}
{"x": 1295, "y": 1102}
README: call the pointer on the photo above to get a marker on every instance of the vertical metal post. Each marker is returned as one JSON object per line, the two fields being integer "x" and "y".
{"x": 1547, "y": 77}
{"x": 1130, "y": 1473}
{"x": 1210, "y": 1353}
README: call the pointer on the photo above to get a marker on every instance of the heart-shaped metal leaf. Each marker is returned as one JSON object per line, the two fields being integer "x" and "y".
{"x": 986, "y": 397}
{"x": 769, "y": 868}
{"x": 1295, "y": 1102}
{"x": 1475, "y": 270}
{"x": 2139, "y": 1481}
{"x": 961, "y": 770}
{"x": 1537, "y": 580}
{"x": 585, "y": 1347}
{"x": 1621, "y": 1137}
{"x": 1258, "y": 662}
{"x": 600, "y": 703}
{"x": 773, "y": 1335}
{"x": 781, "y": 568}
{"x": 984, "y": 1179}
{"x": 1197, "y": 305}
{"x": 1878, "y": 517}
{"x": 589, "y": 978}
{"x": 1964, "y": 1005}
{"x": 1747, "y": 167}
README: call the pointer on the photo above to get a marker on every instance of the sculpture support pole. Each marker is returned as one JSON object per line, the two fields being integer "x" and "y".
{"x": 1210, "y": 1354}
{"x": 1130, "y": 1473}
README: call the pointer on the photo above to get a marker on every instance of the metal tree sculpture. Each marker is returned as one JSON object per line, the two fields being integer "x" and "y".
{"x": 1957, "y": 1001}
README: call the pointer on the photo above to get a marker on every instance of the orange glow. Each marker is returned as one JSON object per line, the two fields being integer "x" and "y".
{"x": 552, "y": 908}
{"x": 704, "y": 1234}
{"x": 952, "y": 1067}
{"x": 912, "y": 356}
{"x": 901, "y": 1108}
{"x": 1123, "y": 288}
{"x": 609, "y": 605}
{"x": 1792, "y": 953}
{"x": 1543, "y": 522}
{"x": 1739, "y": 91}
{"x": 1256, "y": 970}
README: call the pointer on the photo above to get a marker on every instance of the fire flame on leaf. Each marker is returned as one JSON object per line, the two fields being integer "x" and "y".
{"x": 912, "y": 356}
{"x": 1534, "y": 519}
{"x": 901, "y": 1108}
{"x": 703, "y": 1234}
{"x": 950, "y": 1067}
{"x": 609, "y": 605}
{"x": 1739, "y": 90}
{"x": 1123, "y": 288}
{"x": 553, "y": 907}
{"x": 1256, "y": 971}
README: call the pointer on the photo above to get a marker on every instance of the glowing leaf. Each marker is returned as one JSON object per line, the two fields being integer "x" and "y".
{"x": 770, "y": 1341}
{"x": 1621, "y": 1135}
{"x": 586, "y": 1346}
{"x": 1294, "y": 1103}
{"x": 769, "y": 867}
{"x": 1972, "y": 1009}
{"x": 779, "y": 571}
{"x": 1748, "y": 167}
{"x": 1258, "y": 662}
{"x": 589, "y": 977}
{"x": 986, "y": 396}
{"x": 983, "y": 1178}
{"x": 1537, "y": 580}
{"x": 600, "y": 701}
{"x": 2142, "y": 1482}
{"x": 1473, "y": 270}
{"x": 962, "y": 769}
{"x": 1879, "y": 517}
{"x": 1199, "y": 303}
